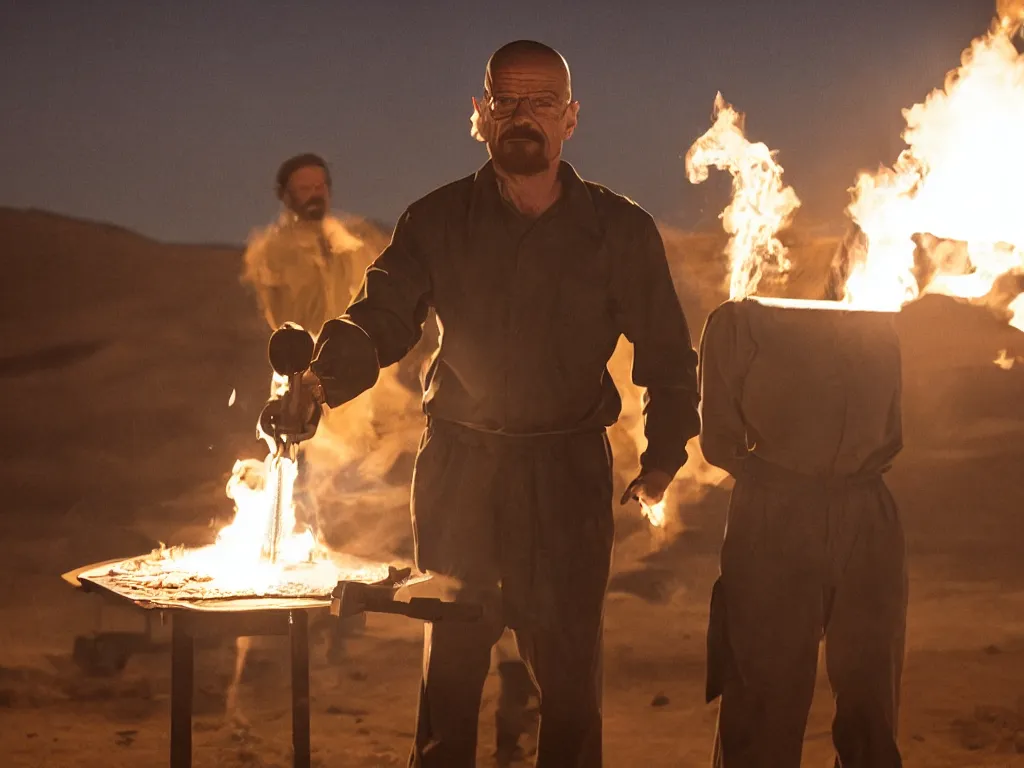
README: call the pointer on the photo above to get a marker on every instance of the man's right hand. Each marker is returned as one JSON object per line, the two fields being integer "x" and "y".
{"x": 648, "y": 488}
{"x": 295, "y": 415}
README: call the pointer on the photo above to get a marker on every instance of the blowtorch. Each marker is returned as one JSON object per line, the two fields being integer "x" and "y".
{"x": 284, "y": 422}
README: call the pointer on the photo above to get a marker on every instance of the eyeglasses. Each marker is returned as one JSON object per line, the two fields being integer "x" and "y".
{"x": 541, "y": 104}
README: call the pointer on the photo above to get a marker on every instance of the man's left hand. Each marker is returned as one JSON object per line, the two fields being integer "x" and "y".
{"x": 648, "y": 488}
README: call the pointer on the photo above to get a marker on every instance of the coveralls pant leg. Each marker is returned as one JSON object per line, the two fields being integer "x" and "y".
{"x": 767, "y": 616}
{"x": 456, "y": 661}
{"x": 526, "y": 525}
{"x": 797, "y": 563}
{"x": 455, "y": 528}
{"x": 866, "y": 630}
{"x": 559, "y": 623}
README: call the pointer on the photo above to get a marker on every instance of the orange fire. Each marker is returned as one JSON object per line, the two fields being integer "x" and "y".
{"x": 1010, "y": 14}
{"x": 656, "y": 515}
{"x": 237, "y": 562}
{"x": 956, "y": 183}
{"x": 761, "y": 204}
{"x": 945, "y": 218}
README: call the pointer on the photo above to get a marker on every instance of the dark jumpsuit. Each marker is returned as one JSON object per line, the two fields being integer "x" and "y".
{"x": 512, "y": 491}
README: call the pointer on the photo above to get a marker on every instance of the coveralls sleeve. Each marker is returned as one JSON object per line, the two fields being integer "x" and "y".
{"x": 664, "y": 361}
{"x": 383, "y": 322}
{"x": 723, "y": 437}
{"x": 264, "y": 272}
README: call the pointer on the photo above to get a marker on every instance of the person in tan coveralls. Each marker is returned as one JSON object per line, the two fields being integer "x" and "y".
{"x": 802, "y": 408}
{"x": 307, "y": 266}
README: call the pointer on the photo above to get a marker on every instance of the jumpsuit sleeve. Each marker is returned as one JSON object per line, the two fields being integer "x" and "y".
{"x": 664, "y": 361}
{"x": 383, "y": 322}
{"x": 723, "y": 437}
{"x": 264, "y": 273}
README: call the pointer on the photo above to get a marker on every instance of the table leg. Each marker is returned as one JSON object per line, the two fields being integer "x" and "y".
{"x": 182, "y": 681}
{"x": 299, "y": 632}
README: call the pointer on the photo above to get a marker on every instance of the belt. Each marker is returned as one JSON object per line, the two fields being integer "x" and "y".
{"x": 765, "y": 472}
{"x": 473, "y": 431}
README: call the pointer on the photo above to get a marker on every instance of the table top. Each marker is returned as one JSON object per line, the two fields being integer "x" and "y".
{"x": 95, "y": 578}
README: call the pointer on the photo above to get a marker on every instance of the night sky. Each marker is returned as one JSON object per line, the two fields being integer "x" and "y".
{"x": 170, "y": 117}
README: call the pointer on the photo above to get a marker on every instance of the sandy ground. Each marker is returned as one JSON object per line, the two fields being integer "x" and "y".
{"x": 117, "y": 360}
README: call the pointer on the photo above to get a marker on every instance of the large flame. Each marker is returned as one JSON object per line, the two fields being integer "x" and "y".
{"x": 945, "y": 218}
{"x": 237, "y": 562}
{"x": 761, "y": 204}
{"x": 952, "y": 198}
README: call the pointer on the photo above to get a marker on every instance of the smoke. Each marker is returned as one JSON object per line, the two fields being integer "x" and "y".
{"x": 354, "y": 482}
{"x": 360, "y": 461}
{"x": 695, "y": 478}
{"x": 357, "y": 470}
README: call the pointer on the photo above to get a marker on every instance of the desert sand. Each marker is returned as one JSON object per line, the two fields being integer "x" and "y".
{"x": 117, "y": 361}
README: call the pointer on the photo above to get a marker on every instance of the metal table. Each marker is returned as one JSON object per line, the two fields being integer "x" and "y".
{"x": 242, "y": 617}
{"x": 229, "y": 617}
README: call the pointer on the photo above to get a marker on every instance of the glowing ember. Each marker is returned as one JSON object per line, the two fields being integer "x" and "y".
{"x": 761, "y": 204}
{"x": 957, "y": 181}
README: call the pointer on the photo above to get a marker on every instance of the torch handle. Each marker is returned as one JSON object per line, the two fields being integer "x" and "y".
{"x": 294, "y": 403}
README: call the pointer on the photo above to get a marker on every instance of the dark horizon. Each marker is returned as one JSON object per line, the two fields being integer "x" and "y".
{"x": 171, "y": 122}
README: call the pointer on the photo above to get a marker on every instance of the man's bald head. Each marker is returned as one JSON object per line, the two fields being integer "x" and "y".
{"x": 531, "y": 56}
{"x": 527, "y": 111}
